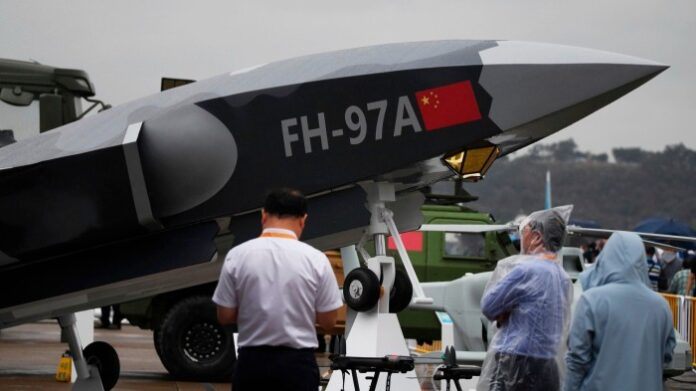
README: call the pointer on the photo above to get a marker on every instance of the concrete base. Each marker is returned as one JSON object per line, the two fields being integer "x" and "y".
{"x": 375, "y": 335}
{"x": 93, "y": 383}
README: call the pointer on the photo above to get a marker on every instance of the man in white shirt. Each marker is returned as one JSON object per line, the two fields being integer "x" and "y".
{"x": 275, "y": 288}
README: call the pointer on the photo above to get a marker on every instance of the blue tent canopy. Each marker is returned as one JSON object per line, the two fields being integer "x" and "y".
{"x": 666, "y": 226}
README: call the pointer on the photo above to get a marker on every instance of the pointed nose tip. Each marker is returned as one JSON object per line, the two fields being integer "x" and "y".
{"x": 657, "y": 68}
{"x": 530, "y": 81}
{"x": 646, "y": 68}
{"x": 640, "y": 71}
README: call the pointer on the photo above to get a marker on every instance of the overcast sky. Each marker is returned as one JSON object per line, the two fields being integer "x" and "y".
{"x": 127, "y": 46}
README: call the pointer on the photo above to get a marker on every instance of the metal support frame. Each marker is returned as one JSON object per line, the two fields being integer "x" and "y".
{"x": 376, "y": 333}
{"x": 383, "y": 267}
{"x": 418, "y": 294}
{"x": 381, "y": 224}
{"x": 87, "y": 376}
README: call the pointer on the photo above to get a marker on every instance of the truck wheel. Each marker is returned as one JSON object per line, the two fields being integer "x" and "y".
{"x": 361, "y": 289}
{"x": 193, "y": 345}
{"x": 155, "y": 340}
{"x": 401, "y": 293}
{"x": 104, "y": 357}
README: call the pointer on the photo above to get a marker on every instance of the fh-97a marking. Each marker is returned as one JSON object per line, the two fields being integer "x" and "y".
{"x": 355, "y": 120}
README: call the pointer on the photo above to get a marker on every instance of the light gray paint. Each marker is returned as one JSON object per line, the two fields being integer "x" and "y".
{"x": 544, "y": 89}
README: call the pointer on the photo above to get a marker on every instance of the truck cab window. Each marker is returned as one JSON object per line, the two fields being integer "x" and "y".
{"x": 18, "y": 122}
{"x": 464, "y": 245}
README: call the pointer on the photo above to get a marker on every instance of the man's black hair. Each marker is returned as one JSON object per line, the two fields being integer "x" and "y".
{"x": 286, "y": 202}
{"x": 690, "y": 262}
{"x": 650, "y": 251}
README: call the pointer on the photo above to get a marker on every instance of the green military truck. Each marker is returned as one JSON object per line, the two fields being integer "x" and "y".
{"x": 36, "y": 98}
{"x": 445, "y": 256}
{"x": 192, "y": 345}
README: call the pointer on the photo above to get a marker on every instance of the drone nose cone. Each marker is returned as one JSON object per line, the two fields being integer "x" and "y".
{"x": 545, "y": 87}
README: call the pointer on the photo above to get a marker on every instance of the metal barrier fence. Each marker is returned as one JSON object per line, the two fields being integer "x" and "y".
{"x": 684, "y": 317}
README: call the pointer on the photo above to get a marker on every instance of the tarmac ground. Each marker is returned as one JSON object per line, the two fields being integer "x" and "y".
{"x": 29, "y": 356}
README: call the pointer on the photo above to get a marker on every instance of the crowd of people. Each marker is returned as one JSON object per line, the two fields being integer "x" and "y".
{"x": 669, "y": 271}
{"x": 539, "y": 345}
{"x": 676, "y": 272}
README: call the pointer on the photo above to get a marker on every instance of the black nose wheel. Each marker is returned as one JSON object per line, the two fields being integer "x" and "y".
{"x": 361, "y": 289}
{"x": 401, "y": 293}
{"x": 104, "y": 357}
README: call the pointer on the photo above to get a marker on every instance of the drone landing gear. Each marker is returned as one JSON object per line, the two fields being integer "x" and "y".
{"x": 376, "y": 291}
{"x": 361, "y": 290}
{"x": 97, "y": 367}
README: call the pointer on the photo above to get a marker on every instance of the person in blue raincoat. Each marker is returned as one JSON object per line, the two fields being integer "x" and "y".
{"x": 621, "y": 333}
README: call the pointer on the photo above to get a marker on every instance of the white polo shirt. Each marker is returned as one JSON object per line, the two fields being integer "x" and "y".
{"x": 277, "y": 284}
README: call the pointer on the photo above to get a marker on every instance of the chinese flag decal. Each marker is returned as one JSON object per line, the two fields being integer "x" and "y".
{"x": 448, "y": 105}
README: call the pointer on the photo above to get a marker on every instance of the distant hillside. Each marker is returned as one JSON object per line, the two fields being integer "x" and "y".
{"x": 637, "y": 185}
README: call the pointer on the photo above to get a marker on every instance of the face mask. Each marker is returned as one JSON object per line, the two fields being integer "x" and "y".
{"x": 668, "y": 256}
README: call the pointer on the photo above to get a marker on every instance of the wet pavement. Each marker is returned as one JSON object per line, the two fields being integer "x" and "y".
{"x": 686, "y": 381}
{"x": 29, "y": 356}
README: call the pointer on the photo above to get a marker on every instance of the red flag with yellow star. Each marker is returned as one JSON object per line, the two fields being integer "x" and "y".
{"x": 448, "y": 105}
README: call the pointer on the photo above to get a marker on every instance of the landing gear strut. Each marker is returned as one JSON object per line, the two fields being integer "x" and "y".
{"x": 97, "y": 367}
{"x": 377, "y": 291}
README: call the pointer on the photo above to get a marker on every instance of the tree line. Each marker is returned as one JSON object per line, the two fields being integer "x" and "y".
{"x": 618, "y": 193}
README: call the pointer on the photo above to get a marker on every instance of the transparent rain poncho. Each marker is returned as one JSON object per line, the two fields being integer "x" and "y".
{"x": 528, "y": 298}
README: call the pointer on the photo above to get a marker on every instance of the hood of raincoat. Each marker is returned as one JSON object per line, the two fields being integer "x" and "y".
{"x": 621, "y": 261}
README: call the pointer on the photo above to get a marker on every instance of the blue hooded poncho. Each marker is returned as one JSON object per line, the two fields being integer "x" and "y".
{"x": 622, "y": 332}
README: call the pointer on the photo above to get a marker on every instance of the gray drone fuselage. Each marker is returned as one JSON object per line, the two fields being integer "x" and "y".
{"x": 144, "y": 188}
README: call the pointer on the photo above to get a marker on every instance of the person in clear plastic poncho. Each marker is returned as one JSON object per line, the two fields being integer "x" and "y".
{"x": 622, "y": 330}
{"x": 529, "y": 297}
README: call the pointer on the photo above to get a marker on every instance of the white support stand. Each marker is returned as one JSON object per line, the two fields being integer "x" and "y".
{"x": 377, "y": 333}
